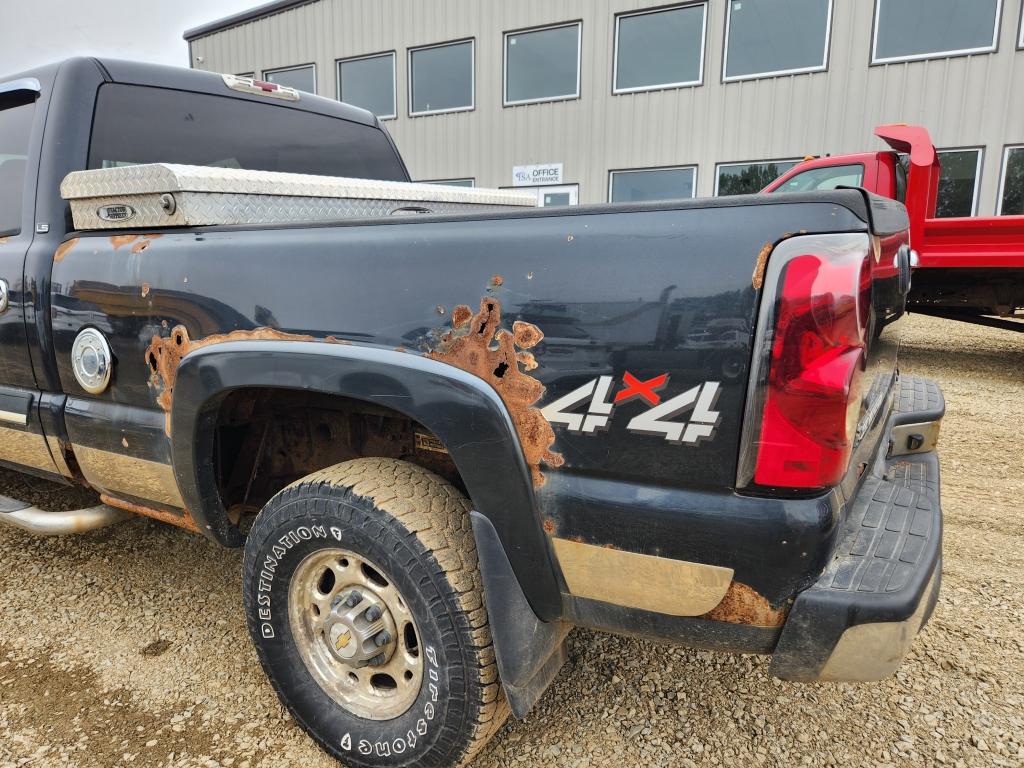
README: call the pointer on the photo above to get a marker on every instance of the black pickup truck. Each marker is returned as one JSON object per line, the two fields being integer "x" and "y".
{"x": 444, "y": 439}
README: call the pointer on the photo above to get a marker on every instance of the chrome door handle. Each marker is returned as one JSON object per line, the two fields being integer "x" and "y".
{"x": 4, "y": 295}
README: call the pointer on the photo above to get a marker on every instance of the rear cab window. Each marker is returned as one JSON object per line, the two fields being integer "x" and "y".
{"x": 141, "y": 124}
{"x": 16, "y": 113}
{"x": 831, "y": 177}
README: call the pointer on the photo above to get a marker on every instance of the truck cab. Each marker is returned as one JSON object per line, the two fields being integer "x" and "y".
{"x": 881, "y": 172}
{"x": 967, "y": 268}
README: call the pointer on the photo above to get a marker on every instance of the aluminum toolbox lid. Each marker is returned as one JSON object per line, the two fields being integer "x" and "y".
{"x": 159, "y": 178}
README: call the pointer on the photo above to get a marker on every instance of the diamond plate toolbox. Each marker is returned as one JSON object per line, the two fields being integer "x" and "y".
{"x": 165, "y": 195}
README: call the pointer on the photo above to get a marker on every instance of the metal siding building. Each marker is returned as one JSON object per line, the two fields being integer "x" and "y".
{"x": 967, "y": 100}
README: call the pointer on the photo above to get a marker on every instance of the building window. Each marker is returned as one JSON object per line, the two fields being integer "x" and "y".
{"x": 775, "y": 37}
{"x": 652, "y": 184}
{"x": 369, "y": 82}
{"x": 300, "y": 78}
{"x": 660, "y": 49}
{"x": 450, "y": 182}
{"x": 958, "y": 183}
{"x": 748, "y": 178}
{"x": 906, "y": 30}
{"x": 1011, "y": 185}
{"x": 542, "y": 64}
{"x": 441, "y": 78}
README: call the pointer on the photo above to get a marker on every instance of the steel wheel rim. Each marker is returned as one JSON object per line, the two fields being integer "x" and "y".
{"x": 380, "y": 691}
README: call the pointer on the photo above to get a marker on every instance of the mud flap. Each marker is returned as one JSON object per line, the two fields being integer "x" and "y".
{"x": 529, "y": 652}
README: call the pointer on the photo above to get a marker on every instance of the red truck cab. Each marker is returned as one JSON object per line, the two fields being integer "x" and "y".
{"x": 968, "y": 268}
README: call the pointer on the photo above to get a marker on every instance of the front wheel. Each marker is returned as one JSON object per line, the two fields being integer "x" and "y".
{"x": 363, "y": 598}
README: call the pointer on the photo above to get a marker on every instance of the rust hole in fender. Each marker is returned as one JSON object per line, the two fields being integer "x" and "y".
{"x": 144, "y": 243}
{"x": 744, "y": 605}
{"x": 495, "y": 355}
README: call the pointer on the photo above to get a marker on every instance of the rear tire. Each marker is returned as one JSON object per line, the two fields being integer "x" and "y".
{"x": 414, "y": 528}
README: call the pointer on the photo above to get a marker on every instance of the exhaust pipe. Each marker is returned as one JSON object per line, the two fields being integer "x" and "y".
{"x": 47, "y": 523}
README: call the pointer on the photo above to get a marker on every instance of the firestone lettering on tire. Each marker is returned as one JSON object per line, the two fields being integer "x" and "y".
{"x": 398, "y": 746}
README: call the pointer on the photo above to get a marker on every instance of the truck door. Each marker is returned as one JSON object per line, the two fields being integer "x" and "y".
{"x": 21, "y": 437}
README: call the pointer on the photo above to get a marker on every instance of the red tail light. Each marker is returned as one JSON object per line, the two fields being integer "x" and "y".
{"x": 812, "y": 356}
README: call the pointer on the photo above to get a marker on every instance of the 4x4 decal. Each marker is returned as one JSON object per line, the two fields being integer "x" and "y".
{"x": 699, "y": 401}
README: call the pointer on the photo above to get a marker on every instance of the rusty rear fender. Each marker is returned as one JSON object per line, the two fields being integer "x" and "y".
{"x": 463, "y": 411}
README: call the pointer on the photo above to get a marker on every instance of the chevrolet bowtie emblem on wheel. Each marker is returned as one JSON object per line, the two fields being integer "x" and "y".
{"x": 343, "y": 640}
{"x": 698, "y": 401}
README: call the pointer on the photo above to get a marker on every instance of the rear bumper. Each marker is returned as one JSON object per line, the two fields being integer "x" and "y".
{"x": 857, "y": 622}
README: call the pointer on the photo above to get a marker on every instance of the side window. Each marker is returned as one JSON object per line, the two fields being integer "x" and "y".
{"x": 15, "y": 129}
{"x": 817, "y": 179}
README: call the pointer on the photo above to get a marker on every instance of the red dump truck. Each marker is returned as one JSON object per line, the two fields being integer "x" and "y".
{"x": 967, "y": 268}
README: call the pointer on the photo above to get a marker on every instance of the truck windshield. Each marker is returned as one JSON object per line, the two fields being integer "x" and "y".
{"x": 138, "y": 124}
{"x": 15, "y": 127}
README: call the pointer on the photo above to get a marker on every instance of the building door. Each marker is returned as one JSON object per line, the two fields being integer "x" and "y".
{"x": 551, "y": 195}
{"x": 568, "y": 194}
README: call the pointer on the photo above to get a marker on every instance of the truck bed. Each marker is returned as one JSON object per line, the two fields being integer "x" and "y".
{"x": 614, "y": 289}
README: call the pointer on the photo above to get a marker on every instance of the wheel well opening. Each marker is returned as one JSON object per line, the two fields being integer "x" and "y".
{"x": 265, "y": 439}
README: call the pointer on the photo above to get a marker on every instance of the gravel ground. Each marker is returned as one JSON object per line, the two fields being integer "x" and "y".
{"x": 129, "y": 646}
